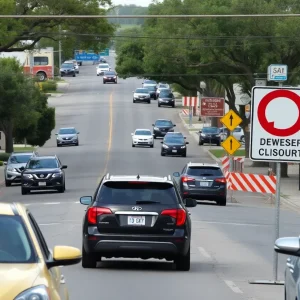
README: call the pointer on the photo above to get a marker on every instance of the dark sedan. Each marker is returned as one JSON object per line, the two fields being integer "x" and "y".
{"x": 152, "y": 91}
{"x": 161, "y": 127}
{"x": 209, "y": 135}
{"x": 67, "y": 69}
{"x": 110, "y": 76}
{"x": 173, "y": 145}
{"x": 166, "y": 98}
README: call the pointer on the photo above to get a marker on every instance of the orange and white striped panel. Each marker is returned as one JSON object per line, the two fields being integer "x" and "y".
{"x": 190, "y": 101}
{"x": 252, "y": 183}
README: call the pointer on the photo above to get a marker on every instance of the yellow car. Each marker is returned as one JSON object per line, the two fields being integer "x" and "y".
{"x": 28, "y": 269}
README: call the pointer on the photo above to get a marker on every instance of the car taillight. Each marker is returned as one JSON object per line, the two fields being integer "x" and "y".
{"x": 223, "y": 180}
{"x": 178, "y": 214}
{"x": 94, "y": 212}
{"x": 186, "y": 179}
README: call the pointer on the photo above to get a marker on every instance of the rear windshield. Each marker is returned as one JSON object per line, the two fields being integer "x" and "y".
{"x": 204, "y": 171}
{"x": 133, "y": 193}
{"x": 15, "y": 245}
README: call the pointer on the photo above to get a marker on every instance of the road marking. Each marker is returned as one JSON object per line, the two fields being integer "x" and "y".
{"x": 110, "y": 134}
{"x": 49, "y": 224}
{"x": 203, "y": 252}
{"x": 234, "y": 224}
{"x": 233, "y": 287}
{"x": 51, "y": 203}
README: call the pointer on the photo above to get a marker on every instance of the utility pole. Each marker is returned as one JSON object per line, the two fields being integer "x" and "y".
{"x": 59, "y": 49}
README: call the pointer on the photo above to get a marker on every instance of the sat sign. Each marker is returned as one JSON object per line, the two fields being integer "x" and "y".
{"x": 275, "y": 124}
{"x": 277, "y": 72}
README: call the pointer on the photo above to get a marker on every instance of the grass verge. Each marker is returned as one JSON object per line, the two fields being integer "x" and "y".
{"x": 220, "y": 152}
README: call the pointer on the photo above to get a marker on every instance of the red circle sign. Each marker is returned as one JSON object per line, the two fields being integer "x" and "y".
{"x": 269, "y": 126}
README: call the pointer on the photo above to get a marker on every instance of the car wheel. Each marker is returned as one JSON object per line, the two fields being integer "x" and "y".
{"x": 7, "y": 183}
{"x": 183, "y": 262}
{"x": 242, "y": 139}
{"x": 88, "y": 260}
{"x": 184, "y": 154}
{"x": 58, "y": 145}
{"x": 104, "y": 82}
{"x": 133, "y": 145}
{"x": 154, "y": 137}
{"x": 218, "y": 144}
{"x": 24, "y": 191}
{"x": 158, "y": 105}
{"x": 151, "y": 146}
{"x": 116, "y": 82}
{"x": 200, "y": 143}
{"x": 77, "y": 144}
{"x": 97, "y": 74}
{"x": 61, "y": 189}
{"x": 74, "y": 75}
{"x": 133, "y": 101}
{"x": 222, "y": 201}
{"x": 173, "y": 105}
{"x": 162, "y": 154}
{"x": 149, "y": 101}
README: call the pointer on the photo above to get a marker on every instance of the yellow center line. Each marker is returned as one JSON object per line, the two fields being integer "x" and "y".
{"x": 110, "y": 135}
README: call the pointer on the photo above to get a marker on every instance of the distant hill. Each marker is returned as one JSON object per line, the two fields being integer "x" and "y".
{"x": 131, "y": 9}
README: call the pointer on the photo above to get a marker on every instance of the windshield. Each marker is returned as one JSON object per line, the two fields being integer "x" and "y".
{"x": 166, "y": 94}
{"x": 174, "y": 140}
{"x": 67, "y": 65}
{"x": 15, "y": 245}
{"x": 103, "y": 66}
{"x": 163, "y": 123}
{"x": 47, "y": 163}
{"x": 210, "y": 130}
{"x": 163, "y": 86}
{"x": 67, "y": 131}
{"x": 142, "y": 91}
{"x": 204, "y": 171}
{"x": 19, "y": 159}
{"x": 109, "y": 73}
{"x": 132, "y": 193}
{"x": 143, "y": 132}
{"x": 150, "y": 82}
{"x": 151, "y": 88}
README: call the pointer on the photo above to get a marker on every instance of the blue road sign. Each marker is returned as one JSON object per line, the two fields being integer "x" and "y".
{"x": 90, "y": 56}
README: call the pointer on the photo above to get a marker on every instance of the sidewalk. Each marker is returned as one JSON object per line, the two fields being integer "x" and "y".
{"x": 289, "y": 187}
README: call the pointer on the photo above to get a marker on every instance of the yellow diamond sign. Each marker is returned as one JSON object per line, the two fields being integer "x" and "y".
{"x": 231, "y": 144}
{"x": 231, "y": 120}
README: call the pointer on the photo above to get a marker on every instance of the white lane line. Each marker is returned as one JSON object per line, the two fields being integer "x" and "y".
{"x": 235, "y": 224}
{"x": 51, "y": 203}
{"x": 233, "y": 287}
{"x": 49, "y": 224}
{"x": 203, "y": 252}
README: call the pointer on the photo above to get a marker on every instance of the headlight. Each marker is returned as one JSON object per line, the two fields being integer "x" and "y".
{"x": 165, "y": 146}
{"x": 55, "y": 175}
{"x": 217, "y": 135}
{"x": 28, "y": 176}
{"x": 35, "y": 293}
{"x": 202, "y": 134}
{"x": 182, "y": 147}
{"x": 11, "y": 169}
{"x": 155, "y": 128}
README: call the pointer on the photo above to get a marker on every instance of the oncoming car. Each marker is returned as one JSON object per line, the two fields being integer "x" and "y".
{"x": 102, "y": 68}
{"x": 142, "y": 137}
{"x": 29, "y": 269}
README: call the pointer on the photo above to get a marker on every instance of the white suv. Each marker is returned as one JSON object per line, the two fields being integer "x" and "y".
{"x": 238, "y": 133}
{"x": 102, "y": 68}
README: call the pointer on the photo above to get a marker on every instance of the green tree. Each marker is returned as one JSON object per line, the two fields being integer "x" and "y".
{"x": 22, "y": 34}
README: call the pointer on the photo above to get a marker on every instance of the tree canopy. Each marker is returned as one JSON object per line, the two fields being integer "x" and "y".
{"x": 24, "y": 111}
{"x": 22, "y": 34}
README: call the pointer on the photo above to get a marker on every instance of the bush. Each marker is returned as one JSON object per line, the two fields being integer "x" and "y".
{"x": 49, "y": 86}
{"x": 1, "y": 163}
{"x": 4, "y": 156}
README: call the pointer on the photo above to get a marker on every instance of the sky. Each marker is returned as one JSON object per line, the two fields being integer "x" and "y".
{"x": 136, "y": 2}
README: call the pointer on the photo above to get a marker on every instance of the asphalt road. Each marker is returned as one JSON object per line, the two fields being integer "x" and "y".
{"x": 230, "y": 245}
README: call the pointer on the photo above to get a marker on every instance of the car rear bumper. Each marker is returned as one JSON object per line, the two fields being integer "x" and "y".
{"x": 134, "y": 246}
{"x": 205, "y": 194}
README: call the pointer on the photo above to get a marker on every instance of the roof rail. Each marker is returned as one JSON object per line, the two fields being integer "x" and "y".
{"x": 107, "y": 176}
{"x": 169, "y": 177}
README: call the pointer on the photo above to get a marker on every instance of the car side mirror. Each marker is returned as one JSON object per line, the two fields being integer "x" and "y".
{"x": 86, "y": 200}
{"x": 64, "y": 167}
{"x": 78, "y": 132}
{"x": 200, "y": 131}
{"x": 64, "y": 256}
{"x": 176, "y": 174}
{"x": 190, "y": 202}
{"x": 288, "y": 246}
{"x": 5, "y": 163}
{"x": 131, "y": 134}
{"x": 174, "y": 125}
{"x": 187, "y": 143}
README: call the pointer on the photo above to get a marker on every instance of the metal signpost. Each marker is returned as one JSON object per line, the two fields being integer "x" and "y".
{"x": 231, "y": 120}
{"x": 190, "y": 114}
{"x": 274, "y": 138}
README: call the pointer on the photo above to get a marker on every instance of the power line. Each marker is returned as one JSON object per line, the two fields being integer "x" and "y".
{"x": 147, "y": 16}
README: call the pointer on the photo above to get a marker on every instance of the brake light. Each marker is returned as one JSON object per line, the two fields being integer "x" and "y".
{"x": 94, "y": 212}
{"x": 178, "y": 214}
{"x": 187, "y": 179}
{"x": 222, "y": 180}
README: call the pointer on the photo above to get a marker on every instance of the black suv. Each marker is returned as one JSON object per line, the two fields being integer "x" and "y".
{"x": 174, "y": 144}
{"x": 110, "y": 76}
{"x": 161, "y": 127}
{"x": 137, "y": 217}
{"x": 210, "y": 135}
{"x": 43, "y": 173}
{"x": 203, "y": 181}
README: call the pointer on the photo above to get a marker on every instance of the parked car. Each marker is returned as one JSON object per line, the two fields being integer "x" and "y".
{"x": 238, "y": 133}
{"x": 209, "y": 135}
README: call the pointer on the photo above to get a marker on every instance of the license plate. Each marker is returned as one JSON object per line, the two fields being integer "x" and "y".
{"x": 136, "y": 220}
{"x": 174, "y": 151}
{"x": 204, "y": 184}
{"x": 42, "y": 183}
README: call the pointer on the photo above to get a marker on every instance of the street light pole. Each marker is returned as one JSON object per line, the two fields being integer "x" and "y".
{"x": 59, "y": 49}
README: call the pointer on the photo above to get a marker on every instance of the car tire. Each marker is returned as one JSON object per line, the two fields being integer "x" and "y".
{"x": 62, "y": 189}
{"x": 74, "y": 75}
{"x": 58, "y": 145}
{"x": 116, "y": 82}
{"x": 200, "y": 143}
{"x": 218, "y": 144}
{"x": 151, "y": 146}
{"x": 77, "y": 144}
{"x": 24, "y": 191}
{"x": 154, "y": 136}
{"x": 158, "y": 105}
{"x": 133, "y": 145}
{"x": 133, "y": 101}
{"x": 222, "y": 201}
{"x": 242, "y": 140}
{"x": 184, "y": 154}
{"x": 149, "y": 102}
{"x": 162, "y": 154}
{"x": 7, "y": 183}
{"x": 173, "y": 106}
{"x": 88, "y": 260}
{"x": 97, "y": 74}
{"x": 104, "y": 82}
{"x": 183, "y": 262}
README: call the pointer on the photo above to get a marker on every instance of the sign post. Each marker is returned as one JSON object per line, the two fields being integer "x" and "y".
{"x": 274, "y": 138}
{"x": 231, "y": 120}
{"x": 190, "y": 114}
